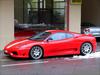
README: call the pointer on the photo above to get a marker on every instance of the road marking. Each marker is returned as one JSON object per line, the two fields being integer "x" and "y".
{"x": 20, "y": 64}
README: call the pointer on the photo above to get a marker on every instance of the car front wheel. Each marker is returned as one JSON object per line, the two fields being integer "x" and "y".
{"x": 36, "y": 52}
{"x": 86, "y": 48}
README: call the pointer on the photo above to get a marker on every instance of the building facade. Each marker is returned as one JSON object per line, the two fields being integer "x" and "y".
{"x": 60, "y": 14}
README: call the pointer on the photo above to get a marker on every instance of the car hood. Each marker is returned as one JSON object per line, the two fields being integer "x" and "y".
{"x": 21, "y": 43}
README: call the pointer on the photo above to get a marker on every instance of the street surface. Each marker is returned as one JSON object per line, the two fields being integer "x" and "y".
{"x": 64, "y": 65}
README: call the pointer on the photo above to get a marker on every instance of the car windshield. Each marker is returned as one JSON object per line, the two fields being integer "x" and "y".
{"x": 40, "y": 36}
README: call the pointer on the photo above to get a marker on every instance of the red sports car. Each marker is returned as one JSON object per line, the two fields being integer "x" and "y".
{"x": 51, "y": 43}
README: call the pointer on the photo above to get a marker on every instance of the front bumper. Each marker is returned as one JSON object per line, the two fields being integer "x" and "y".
{"x": 17, "y": 54}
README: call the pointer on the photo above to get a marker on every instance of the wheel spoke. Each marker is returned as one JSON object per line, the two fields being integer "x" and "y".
{"x": 36, "y": 52}
{"x": 86, "y": 48}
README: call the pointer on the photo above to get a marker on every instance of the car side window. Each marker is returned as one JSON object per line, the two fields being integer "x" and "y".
{"x": 60, "y": 36}
{"x": 69, "y": 35}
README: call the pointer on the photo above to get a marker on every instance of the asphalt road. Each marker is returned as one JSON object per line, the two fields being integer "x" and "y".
{"x": 51, "y": 66}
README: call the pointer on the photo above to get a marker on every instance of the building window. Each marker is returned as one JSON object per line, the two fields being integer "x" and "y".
{"x": 59, "y": 13}
{"x": 40, "y": 15}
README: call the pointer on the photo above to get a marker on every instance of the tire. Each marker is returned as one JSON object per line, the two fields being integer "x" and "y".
{"x": 86, "y": 48}
{"x": 36, "y": 52}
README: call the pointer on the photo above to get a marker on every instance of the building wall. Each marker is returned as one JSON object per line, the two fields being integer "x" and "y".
{"x": 91, "y": 11}
{"x": 6, "y": 22}
{"x": 75, "y": 17}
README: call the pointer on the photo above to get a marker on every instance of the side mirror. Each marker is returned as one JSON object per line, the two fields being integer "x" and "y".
{"x": 76, "y": 36}
{"x": 49, "y": 39}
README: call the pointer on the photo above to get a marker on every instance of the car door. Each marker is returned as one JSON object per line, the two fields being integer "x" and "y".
{"x": 59, "y": 43}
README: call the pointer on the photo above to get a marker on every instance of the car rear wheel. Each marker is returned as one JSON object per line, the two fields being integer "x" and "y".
{"x": 36, "y": 52}
{"x": 86, "y": 48}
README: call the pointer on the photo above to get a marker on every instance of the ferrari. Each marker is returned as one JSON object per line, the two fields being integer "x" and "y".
{"x": 51, "y": 43}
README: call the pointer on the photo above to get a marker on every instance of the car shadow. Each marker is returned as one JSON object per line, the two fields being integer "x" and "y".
{"x": 44, "y": 58}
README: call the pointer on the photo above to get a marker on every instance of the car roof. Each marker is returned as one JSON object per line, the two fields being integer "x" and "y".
{"x": 55, "y": 31}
